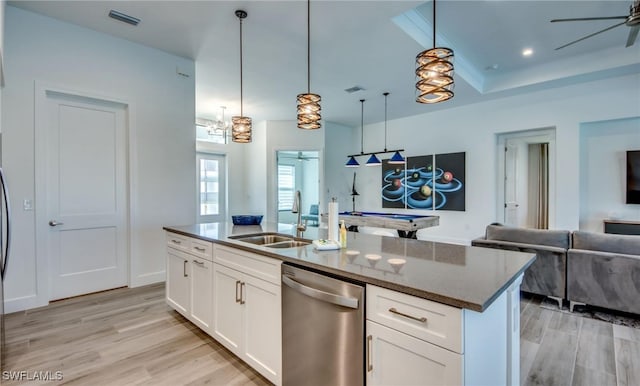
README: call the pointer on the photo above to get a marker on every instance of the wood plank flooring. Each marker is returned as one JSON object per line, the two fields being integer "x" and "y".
{"x": 118, "y": 337}
{"x": 131, "y": 337}
{"x": 561, "y": 348}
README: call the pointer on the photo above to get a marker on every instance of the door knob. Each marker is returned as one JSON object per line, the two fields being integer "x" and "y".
{"x": 54, "y": 223}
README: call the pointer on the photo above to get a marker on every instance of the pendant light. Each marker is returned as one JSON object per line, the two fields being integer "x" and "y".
{"x": 434, "y": 69}
{"x": 309, "y": 104}
{"x": 241, "y": 125}
{"x": 397, "y": 158}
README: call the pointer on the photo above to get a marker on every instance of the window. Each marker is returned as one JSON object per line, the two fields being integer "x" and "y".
{"x": 286, "y": 186}
{"x": 211, "y": 187}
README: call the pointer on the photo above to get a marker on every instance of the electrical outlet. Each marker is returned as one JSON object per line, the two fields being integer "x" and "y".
{"x": 27, "y": 204}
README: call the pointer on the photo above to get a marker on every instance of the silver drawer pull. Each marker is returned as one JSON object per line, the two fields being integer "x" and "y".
{"x": 199, "y": 263}
{"x": 199, "y": 249}
{"x": 422, "y": 319}
{"x": 369, "y": 354}
{"x": 176, "y": 241}
{"x": 238, "y": 297}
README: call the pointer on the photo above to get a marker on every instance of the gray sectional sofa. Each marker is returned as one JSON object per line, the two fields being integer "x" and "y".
{"x": 547, "y": 275}
{"x": 604, "y": 270}
{"x": 583, "y": 267}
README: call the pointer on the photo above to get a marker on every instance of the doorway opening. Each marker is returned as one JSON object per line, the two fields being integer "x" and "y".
{"x": 298, "y": 170}
{"x": 526, "y": 175}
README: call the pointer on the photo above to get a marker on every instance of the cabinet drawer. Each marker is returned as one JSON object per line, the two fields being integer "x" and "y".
{"x": 262, "y": 267}
{"x": 177, "y": 241}
{"x": 201, "y": 248}
{"x": 424, "y": 319}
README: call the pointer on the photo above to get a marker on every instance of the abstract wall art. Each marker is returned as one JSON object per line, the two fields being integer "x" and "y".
{"x": 431, "y": 182}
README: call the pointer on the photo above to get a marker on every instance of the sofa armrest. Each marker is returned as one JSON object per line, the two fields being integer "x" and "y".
{"x": 604, "y": 279}
{"x": 481, "y": 242}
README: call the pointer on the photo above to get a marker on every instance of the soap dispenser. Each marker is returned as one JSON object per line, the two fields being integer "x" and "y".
{"x": 343, "y": 235}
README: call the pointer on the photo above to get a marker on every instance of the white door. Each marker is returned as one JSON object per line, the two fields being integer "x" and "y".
{"x": 511, "y": 203}
{"x": 86, "y": 200}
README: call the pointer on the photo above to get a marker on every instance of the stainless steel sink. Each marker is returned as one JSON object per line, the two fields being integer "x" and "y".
{"x": 288, "y": 244}
{"x": 262, "y": 239}
{"x": 272, "y": 240}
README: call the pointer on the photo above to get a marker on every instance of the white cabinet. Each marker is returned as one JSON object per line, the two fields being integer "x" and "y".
{"x": 227, "y": 310}
{"x": 414, "y": 341}
{"x": 178, "y": 281}
{"x": 190, "y": 279}
{"x": 247, "y": 317}
{"x": 397, "y": 359}
{"x": 201, "y": 293}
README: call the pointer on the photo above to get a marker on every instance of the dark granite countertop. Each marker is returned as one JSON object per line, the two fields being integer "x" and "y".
{"x": 456, "y": 275}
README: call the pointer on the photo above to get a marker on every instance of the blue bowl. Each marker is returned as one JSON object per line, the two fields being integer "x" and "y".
{"x": 246, "y": 220}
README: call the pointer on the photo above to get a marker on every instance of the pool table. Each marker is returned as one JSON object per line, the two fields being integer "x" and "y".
{"x": 406, "y": 224}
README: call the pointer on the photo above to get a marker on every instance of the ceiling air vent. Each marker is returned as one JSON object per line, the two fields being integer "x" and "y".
{"x": 123, "y": 17}
{"x": 353, "y": 89}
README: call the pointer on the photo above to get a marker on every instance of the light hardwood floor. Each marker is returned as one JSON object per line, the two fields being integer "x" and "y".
{"x": 131, "y": 337}
{"x": 562, "y": 348}
{"x": 119, "y": 337}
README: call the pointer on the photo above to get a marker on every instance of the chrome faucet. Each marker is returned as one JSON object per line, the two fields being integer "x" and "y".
{"x": 300, "y": 227}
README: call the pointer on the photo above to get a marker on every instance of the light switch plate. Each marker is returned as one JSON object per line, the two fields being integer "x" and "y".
{"x": 27, "y": 204}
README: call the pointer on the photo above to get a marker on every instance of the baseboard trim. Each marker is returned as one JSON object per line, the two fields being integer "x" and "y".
{"x": 23, "y": 303}
{"x": 148, "y": 278}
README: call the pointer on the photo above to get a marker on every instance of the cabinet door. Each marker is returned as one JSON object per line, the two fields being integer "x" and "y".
{"x": 202, "y": 293}
{"x": 178, "y": 281}
{"x": 395, "y": 359}
{"x": 227, "y": 307}
{"x": 263, "y": 327}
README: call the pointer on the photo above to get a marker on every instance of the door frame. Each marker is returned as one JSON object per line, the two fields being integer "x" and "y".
{"x": 42, "y": 89}
{"x": 547, "y": 134}
{"x": 272, "y": 199}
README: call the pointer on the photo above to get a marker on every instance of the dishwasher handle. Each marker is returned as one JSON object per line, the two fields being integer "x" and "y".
{"x": 321, "y": 295}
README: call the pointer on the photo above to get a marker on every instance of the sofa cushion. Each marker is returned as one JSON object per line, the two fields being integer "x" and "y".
{"x": 553, "y": 238}
{"x": 605, "y": 242}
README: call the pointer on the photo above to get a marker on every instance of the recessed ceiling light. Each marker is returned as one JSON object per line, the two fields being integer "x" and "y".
{"x": 527, "y": 52}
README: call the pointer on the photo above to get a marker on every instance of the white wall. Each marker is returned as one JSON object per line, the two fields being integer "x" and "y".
{"x": 285, "y": 135}
{"x": 603, "y": 169}
{"x": 472, "y": 129}
{"x": 338, "y": 179}
{"x": 162, "y": 164}
{"x": 255, "y": 174}
{"x": 235, "y": 166}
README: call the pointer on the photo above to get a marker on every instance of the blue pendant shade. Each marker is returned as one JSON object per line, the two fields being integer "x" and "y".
{"x": 373, "y": 161}
{"x": 396, "y": 159}
{"x": 352, "y": 163}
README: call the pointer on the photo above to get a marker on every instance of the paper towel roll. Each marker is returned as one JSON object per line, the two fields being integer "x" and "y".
{"x": 332, "y": 225}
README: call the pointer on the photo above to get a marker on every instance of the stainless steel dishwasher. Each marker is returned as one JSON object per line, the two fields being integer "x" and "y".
{"x": 322, "y": 330}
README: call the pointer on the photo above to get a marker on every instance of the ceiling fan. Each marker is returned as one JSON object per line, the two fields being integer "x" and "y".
{"x": 633, "y": 21}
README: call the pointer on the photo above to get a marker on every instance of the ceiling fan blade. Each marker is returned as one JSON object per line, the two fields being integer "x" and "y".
{"x": 588, "y": 36}
{"x": 590, "y": 18}
{"x": 633, "y": 34}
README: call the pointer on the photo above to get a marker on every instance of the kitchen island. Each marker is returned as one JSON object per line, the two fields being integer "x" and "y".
{"x": 471, "y": 296}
